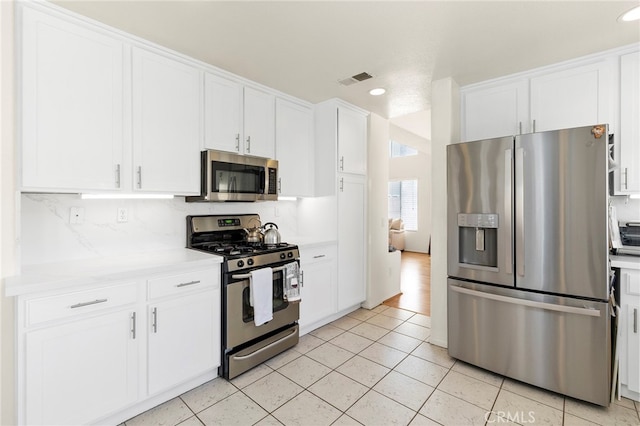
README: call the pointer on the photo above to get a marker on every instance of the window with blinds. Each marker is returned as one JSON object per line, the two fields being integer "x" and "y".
{"x": 403, "y": 202}
{"x": 399, "y": 150}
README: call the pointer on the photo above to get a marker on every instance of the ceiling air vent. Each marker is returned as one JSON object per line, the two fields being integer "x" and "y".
{"x": 355, "y": 79}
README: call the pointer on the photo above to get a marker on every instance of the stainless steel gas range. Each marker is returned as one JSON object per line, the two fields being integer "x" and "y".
{"x": 245, "y": 344}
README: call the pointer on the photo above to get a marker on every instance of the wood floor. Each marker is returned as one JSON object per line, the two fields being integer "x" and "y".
{"x": 415, "y": 283}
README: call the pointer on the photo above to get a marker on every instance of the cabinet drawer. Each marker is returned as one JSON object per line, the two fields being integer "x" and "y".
{"x": 79, "y": 302}
{"x": 317, "y": 254}
{"x": 183, "y": 283}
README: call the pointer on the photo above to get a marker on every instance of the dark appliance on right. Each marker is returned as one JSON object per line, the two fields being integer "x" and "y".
{"x": 528, "y": 259}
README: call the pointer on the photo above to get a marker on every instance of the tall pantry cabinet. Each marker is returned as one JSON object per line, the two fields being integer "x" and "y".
{"x": 341, "y": 158}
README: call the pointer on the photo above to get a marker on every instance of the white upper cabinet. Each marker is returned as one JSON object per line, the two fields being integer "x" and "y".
{"x": 574, "y": 97}
{"x": 72, "y": 106}
{"x": 259, "y": 123}
{"x": 495, "y": 111}
{"x": 166, "y": 124}
{"x": 223, "y": 114}
{"x": 294, "y": 148}
{"x": 629, "y": 140}
{"x": 238, "y": 119}
{"x": 352, "y": 141}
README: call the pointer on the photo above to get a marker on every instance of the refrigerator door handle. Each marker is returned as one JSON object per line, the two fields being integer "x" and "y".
{"x": 508, "y": 205}
{"x": 530, "y": 303}
{"x": 520, "y": 212}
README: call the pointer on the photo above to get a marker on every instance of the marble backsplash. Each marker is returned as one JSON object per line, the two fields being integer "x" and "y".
{"x": 47, "y": 235}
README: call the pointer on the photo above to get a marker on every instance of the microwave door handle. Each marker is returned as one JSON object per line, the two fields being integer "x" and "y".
{"x": 263, "y": 180}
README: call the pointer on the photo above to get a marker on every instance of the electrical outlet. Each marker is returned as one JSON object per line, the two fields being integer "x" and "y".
{"x": 123, "y": 215}
{"x": 76, "y": 215}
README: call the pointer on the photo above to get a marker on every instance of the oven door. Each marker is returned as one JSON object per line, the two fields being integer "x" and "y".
{"x": 240, "y": 327}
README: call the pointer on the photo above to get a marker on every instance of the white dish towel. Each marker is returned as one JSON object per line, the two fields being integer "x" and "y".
{"x": 261, "y": 295}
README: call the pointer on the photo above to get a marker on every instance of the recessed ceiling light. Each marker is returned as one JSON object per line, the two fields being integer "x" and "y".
{"x": 377, "y": 92}
{"x": 630, "y": 15}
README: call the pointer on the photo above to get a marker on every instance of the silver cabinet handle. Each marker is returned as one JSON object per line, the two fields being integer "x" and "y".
{"x": 189, "y": 283}
{"x": 93, "y": 302}
{"x": 508, "y": 191}
{"x": 534, "y": 126}
{"x": 319, "y": 256}
{"x": 519, "y": 127}
{"x": 635, "y": 320}
{"x": 342, "y": 163}
{"x": 301, "y": 278}
{"x": 154, "y": 320}
{"x": 248, "y": 144}
{"x": 626, "y": 175}
{"x": 139, "y": 173}
{"x": 117, "y": 175}
{"x": 531, "y": 303}
{"x": 237, "y": 142}
{"x": 279, "y": 185}
{"x": 133, "y": 325}
{"x": 341, "y": 184}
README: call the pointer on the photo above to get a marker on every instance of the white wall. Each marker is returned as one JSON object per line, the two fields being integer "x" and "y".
{"x": 445, "y": 116}
{"x": 416, "y": 167}
{"x": 47, "y": 235}
{"x": 8, "y": 209}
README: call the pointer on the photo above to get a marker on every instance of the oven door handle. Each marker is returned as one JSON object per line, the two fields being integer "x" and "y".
{"x": 292, "y": 332}
{"x": 245, "y": 276}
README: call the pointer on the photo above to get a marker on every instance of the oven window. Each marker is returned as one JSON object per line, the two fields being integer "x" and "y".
{"x": 278, "y": 298}
{"x": 237, "y": 178}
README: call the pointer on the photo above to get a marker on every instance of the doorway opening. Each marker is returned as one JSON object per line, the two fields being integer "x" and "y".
{"x": 415, "y": 284}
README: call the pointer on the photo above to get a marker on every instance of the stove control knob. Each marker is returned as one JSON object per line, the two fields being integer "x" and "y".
{"x": 283, "y": 256}
{"x": 290, "y": 254}
{"x": 250, "y": 262}
{"x": 240, "y": 263}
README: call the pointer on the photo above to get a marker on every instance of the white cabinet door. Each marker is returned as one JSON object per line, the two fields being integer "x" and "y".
{"x": 166, "y": 124}
{"x": 294, "y": 148}
{"x": 630, "y": 123}
{"x": 352, "y": 141}
{"x": 184, "y": 339}
{"x": 630, "y": 357}
{"x": 259, "y": 123}
{"x": 351, "y": 240}
{"x": 72, "y": 106}
{"x": 495, "y": 111}
{"x": 572, "y": 98}
{"x": 319, "y": 286}
{"x": 81, "y": 371}
{"x": 223, "y": 114}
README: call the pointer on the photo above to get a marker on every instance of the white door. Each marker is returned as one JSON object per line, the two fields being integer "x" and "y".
{"x": 571, "y": 98}
{"x": 495, "y": 112}
{"x": 294, "y": 148}
{"x": 222, "y": 114}
{"x": 351, "y": 240}
{"x": 259, "y": 123}
{"x": 72, "y": 107}
{"x": 352, "y": 141}
{"x": 166, "y": 124}
{"x": 184, "y": 339}
{"x": 81, "y": 371}
{"x": 630, "y": 123}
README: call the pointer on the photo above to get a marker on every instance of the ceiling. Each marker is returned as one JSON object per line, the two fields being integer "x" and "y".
{"x": 304, "y": 47}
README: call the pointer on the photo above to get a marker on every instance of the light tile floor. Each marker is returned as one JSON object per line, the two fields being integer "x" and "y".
{"x": 375, "y": 367}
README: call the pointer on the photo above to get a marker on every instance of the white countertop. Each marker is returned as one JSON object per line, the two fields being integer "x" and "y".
{"x": 96, "y": 271}
{"x": 627, "y": 262}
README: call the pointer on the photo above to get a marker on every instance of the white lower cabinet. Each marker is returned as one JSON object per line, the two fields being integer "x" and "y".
{"x": 319, "y": 298}
{"x": 81, "y": 356}
{"x": 184, "y": 330}
{"x": 630, "y": 327}
{"x": 352, "y": 239}
{"x": 85, "y": 368}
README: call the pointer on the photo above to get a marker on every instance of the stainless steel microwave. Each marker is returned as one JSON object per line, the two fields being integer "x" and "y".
{"x": 232, "y": 177}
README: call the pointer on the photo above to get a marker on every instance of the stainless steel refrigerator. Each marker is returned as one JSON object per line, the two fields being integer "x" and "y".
{"x": 528, "y": 283}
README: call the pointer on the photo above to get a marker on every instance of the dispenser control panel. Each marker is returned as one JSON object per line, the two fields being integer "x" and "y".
{"x": 475, "y": 220}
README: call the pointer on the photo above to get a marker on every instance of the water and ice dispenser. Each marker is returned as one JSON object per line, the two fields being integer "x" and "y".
{"x": 478, "y": 239}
